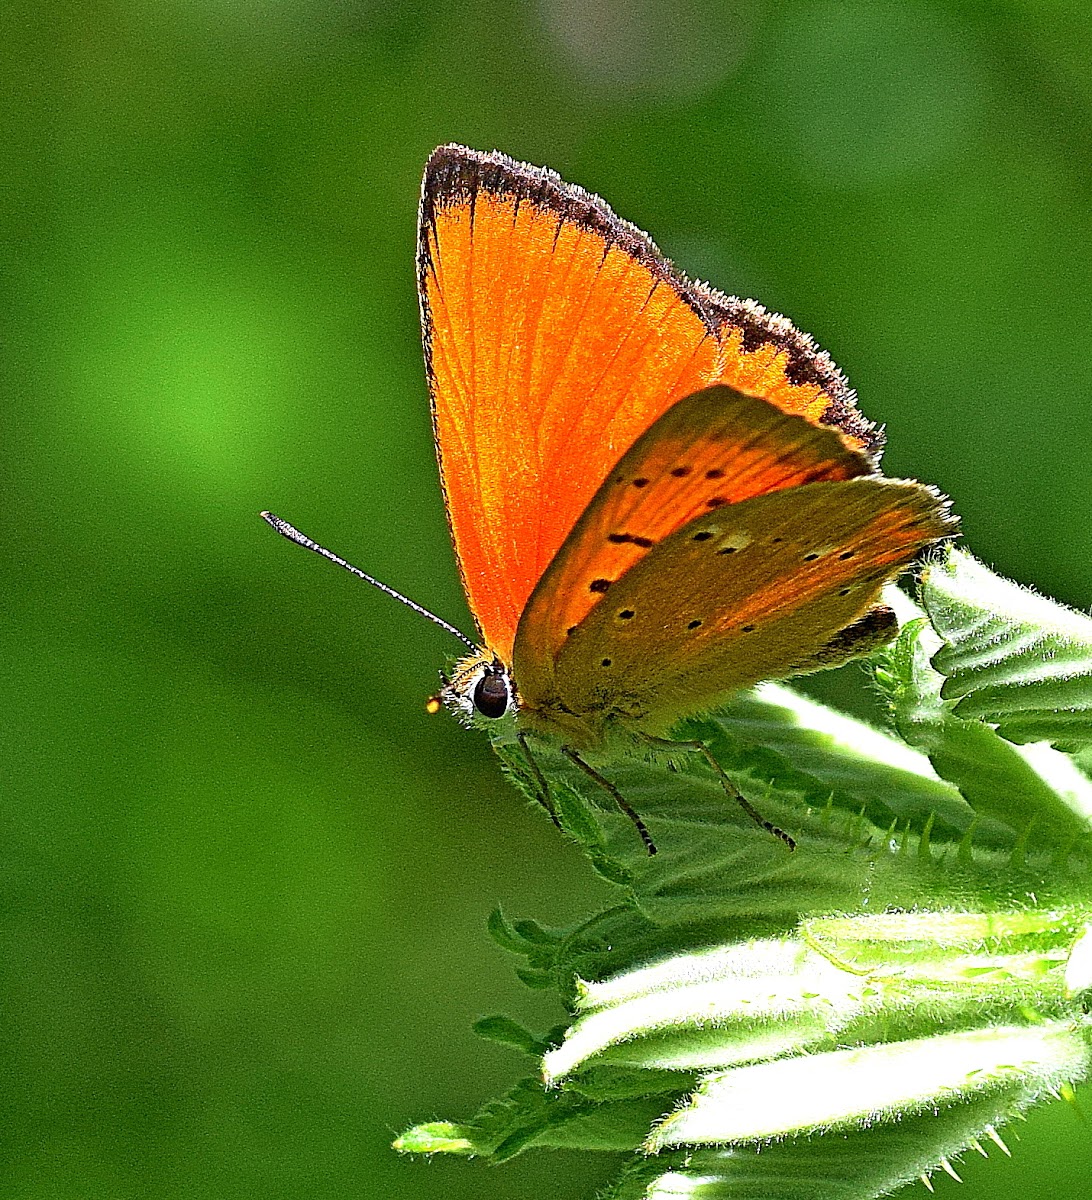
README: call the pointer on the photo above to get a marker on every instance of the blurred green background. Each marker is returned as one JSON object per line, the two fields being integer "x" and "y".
{"x": 244, "y": 875}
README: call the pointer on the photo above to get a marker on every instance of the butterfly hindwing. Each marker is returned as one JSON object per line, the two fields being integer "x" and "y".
{"x": 752, "y": 591}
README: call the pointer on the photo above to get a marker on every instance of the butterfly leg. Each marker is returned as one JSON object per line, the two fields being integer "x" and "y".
{"x": 702, "y": 749}
{"x": 543, "y": 796}
{"x": 615, "y": 795}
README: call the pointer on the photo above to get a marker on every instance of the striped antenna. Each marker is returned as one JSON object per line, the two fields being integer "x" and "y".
{"x": 301, "y": 539}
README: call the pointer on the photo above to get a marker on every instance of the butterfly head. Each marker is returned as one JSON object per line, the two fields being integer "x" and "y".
{"x": 480, "y": 690}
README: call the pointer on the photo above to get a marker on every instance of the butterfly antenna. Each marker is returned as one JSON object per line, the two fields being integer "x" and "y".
{"x": 301, "y": 539}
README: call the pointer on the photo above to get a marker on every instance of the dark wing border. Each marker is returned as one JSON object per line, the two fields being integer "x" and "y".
{"x": 455, "y": 174}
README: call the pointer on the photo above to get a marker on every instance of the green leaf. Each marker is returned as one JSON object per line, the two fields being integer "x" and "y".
{"x": 1013, "y": 789}
{"x": 775, "y": 1007}
{"x": 852, "y": 1089}
{"x": 767, "y": 998}
{"x": 715, "y": 866}
{"x": 530, "y": 1116}
{"x": 628, "y": 1083}
{"x": 505, "y": 935}
{"x": 1012, "y": 658}
{"x": 828, "y": 756}
{"x": 437, "y": 1137}
{"x": 734, "y": 1004}
{"x": 510, "y": 1033}
{"x": 838, "y": 1166}
{"x": 610, "y": 1126}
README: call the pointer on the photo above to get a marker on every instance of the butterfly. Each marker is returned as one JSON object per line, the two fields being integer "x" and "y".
{"x": 659, "y": 495}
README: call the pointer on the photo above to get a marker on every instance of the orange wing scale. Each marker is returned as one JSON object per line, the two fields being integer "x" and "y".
{"x": 888, "y": 542}
{"x": 555, "y": 335}
{"x": 761, "y": 372}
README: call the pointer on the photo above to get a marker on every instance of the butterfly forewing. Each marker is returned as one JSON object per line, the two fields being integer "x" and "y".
{"x": 752, "y": 591}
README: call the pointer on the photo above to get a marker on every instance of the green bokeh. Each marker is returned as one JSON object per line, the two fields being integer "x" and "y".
{"x": 244, "y": 875}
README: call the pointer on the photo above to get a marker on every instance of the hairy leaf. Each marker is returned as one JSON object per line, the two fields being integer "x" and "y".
{"x": 1011, "y": 657}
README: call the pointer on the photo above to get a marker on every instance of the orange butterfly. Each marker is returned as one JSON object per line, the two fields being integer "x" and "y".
{"x": 659, "y": 495}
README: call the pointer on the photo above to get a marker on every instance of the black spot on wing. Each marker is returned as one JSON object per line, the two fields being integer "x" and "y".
{"x": 635, "y": 539}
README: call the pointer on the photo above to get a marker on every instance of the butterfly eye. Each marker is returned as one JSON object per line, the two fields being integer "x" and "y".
{"x": 492, "y": 694}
